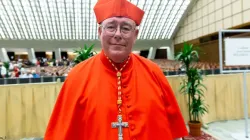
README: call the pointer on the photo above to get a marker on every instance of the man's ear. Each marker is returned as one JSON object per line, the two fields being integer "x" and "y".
{"x": 99, "y": 31}
{"x": 136, "y": 34}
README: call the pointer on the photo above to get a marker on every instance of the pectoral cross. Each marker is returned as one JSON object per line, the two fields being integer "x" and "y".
{"x": 119, "y": 124}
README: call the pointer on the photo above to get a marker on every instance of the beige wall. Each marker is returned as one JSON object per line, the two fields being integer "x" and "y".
{"x": 209, "y": 16}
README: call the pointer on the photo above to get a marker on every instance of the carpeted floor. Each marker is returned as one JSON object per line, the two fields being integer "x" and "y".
{"x": 204, "y": 136}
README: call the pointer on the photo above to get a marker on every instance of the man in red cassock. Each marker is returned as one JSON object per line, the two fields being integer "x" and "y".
{"x": 116, "y": 95}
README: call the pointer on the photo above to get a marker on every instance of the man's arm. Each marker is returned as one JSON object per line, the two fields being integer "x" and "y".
{"x": 63, "y": 124}
{"x": 177, "y": 124}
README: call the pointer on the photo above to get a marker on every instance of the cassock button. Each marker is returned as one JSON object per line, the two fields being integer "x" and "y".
{"x": 132, "y": 127}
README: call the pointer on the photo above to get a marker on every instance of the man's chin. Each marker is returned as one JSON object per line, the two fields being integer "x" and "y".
{"x": 118, "y": 55}
{"x": 117, "y": 47}
{"x": 117, "y": 52}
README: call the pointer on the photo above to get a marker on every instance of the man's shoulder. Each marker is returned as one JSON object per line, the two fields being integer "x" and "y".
{"x": 83, "y": 67}
{"x": 147, "y": 62}
{"x": 87, "y": 61}
{"x": 150, "y": 66}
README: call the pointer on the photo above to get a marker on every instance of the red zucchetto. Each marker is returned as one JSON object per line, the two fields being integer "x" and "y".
{"x": 117, "y": 8}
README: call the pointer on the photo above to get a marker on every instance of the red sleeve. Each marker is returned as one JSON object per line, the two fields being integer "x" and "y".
{"x": 176, "y": 121}
{"x": 63, "y": 123}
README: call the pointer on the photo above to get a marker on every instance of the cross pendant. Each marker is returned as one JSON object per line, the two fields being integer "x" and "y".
{"x": 119, "y": 124}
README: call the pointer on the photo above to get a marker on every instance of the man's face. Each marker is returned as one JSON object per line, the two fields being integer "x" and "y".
{"x": 118, "y": 35}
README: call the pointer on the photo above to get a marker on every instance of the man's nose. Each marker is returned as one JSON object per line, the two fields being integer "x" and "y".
{"x": 118, "y": 34}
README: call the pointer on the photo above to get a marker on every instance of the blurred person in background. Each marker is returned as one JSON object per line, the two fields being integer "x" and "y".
{"x": 3, "y": 71}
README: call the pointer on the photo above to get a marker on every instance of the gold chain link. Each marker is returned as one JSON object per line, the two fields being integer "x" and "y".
{"x": 119, "y": 74}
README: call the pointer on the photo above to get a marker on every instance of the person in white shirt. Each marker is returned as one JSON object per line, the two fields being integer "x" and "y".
{"x": 23, "y": 74}
{"x": 3, "y": 70}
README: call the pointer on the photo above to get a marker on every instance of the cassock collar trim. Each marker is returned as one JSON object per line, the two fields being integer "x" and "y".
{"x": 109, "y": 66}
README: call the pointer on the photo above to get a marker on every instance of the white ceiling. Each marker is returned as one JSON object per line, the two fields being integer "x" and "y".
{"x": 75, "y": 19}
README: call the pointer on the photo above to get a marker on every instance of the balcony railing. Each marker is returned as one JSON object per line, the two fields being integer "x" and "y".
{"x": 7, "y": 81}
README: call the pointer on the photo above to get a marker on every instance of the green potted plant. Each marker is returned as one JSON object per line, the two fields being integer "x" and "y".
{"x": 193, "y": 87}
{"x": 7, "y": 66}
{"x": 84, "y": 53}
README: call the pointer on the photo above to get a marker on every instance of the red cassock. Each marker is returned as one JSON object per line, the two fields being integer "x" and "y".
{"x": 86, "y": 105}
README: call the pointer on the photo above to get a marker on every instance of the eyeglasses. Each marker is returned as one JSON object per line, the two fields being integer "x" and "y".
{"x": 125, "y": 30}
